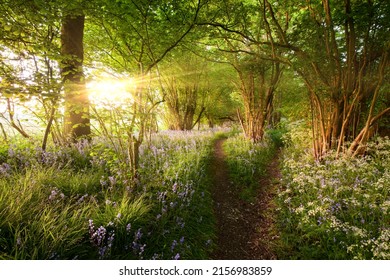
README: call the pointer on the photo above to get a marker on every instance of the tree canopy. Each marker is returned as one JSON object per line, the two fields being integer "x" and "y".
{"x": 198, "y": 62}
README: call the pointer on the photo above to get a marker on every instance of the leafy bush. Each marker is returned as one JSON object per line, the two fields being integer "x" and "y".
{"x": 276, "y": 134}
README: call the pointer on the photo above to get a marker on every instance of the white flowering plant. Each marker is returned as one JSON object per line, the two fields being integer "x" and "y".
{"x": 336, "y": 208}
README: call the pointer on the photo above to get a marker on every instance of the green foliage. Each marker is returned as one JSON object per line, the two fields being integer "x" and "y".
{"x": 298, "y": 139}
{"x": 194, "y": 90}
{"x": 73, "y": 203}
{"x": 140, "y": 34}
{"x": 335, "y": 208}
{"x": 247, "y": 162}
{"x": 276, "y": 135}
{"x": 38, "y": 222}
{"x": 174, "y": 171}
{"x": 292, "y": 98}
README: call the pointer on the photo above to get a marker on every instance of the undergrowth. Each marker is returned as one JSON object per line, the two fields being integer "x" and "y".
{"x": 334, "y": 208}
{"x": 247, "y": 162}
{"x": 77, "y": 202}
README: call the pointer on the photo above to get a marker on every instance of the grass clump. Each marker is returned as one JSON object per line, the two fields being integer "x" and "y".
{"x": 247, "y": 162}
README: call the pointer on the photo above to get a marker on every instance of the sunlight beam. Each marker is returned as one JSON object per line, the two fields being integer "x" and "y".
{"x": 111, "y": 91}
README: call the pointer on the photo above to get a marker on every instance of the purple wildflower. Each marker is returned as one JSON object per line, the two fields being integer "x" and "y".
{"x": 81, "y": 199}
{"x": 99, "y": 235}
{"x": 11, "y": 153}
{"x": 174, "y": 244}
{"x": 128, "y": 228}
{"x": 142, "y": 249}
{"x": 5, "y": 169}
{"x": 138, "y": 235}
{"x": 112, "y": 180}
{"x": 110, "y": 239}
{"x": 91, "y": 226}
{"x": 53, "y": 195}
{"x": 103, "y": 182}
{"x": 174, "y": 187}
{"x": 102, "y": 251}
{"x": 164, "y": 209}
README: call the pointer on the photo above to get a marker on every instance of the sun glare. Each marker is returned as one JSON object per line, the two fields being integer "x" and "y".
{"x": 111, "y": 91}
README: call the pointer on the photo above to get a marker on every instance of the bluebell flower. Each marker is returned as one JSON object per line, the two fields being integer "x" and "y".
{"x": 53, "y": 195}
{"x": 112, "y": 180}
{"x": 138, "y": 235}
{"x": 128, "y": 228}
{"x": 174, "y": 244}
{"x": 5, "y": 169}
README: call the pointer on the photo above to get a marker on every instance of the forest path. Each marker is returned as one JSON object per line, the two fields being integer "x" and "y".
{"x": 244, "y": 229}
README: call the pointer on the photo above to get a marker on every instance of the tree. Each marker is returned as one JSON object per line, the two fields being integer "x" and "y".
{"x": 237, "y": 30}
{"x": 28, "y": 61}
{"x": 341, "y": 51}
{"x": 258, "y": 81}
{"x": 131, "y": 38}
{"x": 183, "y": 85}
{"x": 76, "y": 118}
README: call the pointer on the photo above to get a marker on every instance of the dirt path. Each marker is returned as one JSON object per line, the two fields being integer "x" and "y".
{"x": 244, "y": 229}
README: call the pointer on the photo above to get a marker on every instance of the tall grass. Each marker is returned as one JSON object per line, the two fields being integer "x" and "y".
{"x": 180, "y": 187}
{"x": 78, "y": 203}
{"x": 38, "y": 221}
{"x": 247, "y": 162}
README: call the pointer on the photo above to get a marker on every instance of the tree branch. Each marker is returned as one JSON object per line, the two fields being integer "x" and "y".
{"x": 193, "y": 24}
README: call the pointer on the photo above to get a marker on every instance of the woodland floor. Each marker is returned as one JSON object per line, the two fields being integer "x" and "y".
{"x": 245, "y": 230}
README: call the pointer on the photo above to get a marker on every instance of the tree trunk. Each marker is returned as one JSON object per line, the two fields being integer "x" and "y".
{"x": 257, "y": 84}
{"x": 76, "y": 118}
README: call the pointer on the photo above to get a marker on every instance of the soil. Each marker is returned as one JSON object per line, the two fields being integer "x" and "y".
{"x": 245, "y": 230}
